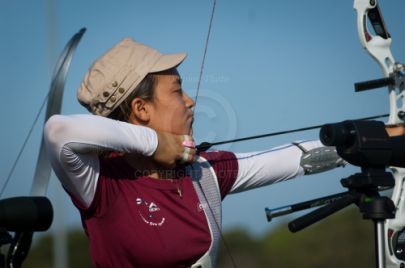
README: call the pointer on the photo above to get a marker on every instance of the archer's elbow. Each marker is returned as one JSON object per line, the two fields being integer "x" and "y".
{"x": 54, "y": 130}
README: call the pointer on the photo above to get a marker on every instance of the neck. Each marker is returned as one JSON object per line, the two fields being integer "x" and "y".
{"x": 150, "y": 168}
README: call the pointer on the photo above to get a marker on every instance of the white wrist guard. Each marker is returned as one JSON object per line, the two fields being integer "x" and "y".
{"x": 319, "y": 159}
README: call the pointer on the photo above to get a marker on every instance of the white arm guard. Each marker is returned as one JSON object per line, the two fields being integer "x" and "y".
{"x": 319, "y": 159}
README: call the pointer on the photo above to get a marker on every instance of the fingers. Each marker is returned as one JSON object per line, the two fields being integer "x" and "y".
{"x": 174, "y": 149}
{"x": 189, "y": 143}
{"x": 189, "y": 153}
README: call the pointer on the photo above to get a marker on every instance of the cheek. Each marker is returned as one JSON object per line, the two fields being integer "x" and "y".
{"x": 175, "y": 119}
{"x": 171, "y": 115}
{"x": 176, "y": 108}
{"x": 177, "y": 116}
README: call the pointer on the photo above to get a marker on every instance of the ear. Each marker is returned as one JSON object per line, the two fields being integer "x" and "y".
{"x": 140, "y": 110}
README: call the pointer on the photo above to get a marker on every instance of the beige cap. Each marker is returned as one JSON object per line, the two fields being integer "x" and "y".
{"x": 118, "y": 72}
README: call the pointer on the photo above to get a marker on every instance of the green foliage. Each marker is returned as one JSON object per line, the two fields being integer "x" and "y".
{"x": 78, "y": 248}
{"x": 341, "y": 240}
{"x": 41, "y": 253}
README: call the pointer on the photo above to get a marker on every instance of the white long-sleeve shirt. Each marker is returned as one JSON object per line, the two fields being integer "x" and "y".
{"x": 75, "y": 141}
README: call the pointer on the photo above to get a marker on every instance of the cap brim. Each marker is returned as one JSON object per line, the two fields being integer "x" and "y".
{"x": 168, "y": 61}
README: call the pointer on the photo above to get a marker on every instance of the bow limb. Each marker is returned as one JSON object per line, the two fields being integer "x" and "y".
{"x": 21, "y": 243}
{"x": 378, "y": 46}
{"x": 55, "y": 95}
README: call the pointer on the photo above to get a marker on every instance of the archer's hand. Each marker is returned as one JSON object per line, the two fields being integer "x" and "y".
{"x": 173, "y": 149}
{"x": 395, "y": 130}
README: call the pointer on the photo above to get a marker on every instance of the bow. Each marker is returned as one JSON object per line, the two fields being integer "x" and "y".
{"x": 378, "y": 46}
{"x": 22, "y": 240}
{"x": 55, "y": 95}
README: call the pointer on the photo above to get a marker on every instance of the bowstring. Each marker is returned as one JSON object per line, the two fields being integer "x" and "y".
{"x": 195, "y": 105}
{"x": 205, "y": 52}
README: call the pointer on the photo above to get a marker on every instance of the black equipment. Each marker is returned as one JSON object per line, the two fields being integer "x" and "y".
{"x": 365, "y": 144}
{"x": 22, "y": 215}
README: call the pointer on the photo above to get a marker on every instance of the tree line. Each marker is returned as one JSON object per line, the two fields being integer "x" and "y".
{"x": 341, "y": 240}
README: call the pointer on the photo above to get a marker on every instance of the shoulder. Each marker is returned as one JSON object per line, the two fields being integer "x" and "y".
{"x": 218, "y": 156}
{"x": 225, "y": 166}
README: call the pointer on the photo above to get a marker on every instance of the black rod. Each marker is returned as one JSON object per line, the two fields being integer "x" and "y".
{"x": 206, "y": 145}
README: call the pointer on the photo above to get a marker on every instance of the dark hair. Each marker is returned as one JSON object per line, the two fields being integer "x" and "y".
{"x": 145, "y": 90}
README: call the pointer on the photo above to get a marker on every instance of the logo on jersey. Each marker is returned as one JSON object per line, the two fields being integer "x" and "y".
{"x": 150, "y": 212}
{"x": 201, "y": 207}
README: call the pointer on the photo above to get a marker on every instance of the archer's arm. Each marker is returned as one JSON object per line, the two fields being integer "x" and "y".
{"x": 282, "y": 163}
{"x": 74, "y": 143}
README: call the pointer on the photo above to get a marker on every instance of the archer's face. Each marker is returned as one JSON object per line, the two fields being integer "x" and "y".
{"x": 171, "y": 109}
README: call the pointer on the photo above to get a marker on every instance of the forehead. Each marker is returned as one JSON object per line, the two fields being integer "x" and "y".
{"x": 168, "y": 78}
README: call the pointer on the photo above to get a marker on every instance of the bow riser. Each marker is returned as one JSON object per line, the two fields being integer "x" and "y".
{"x": 379, "y": 48}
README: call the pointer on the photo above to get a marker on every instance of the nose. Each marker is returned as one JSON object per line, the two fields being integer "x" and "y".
{"x": 188, "y": 101}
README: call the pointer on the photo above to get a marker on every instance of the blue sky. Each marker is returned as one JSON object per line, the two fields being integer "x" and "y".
{"x": 271, "y": 66}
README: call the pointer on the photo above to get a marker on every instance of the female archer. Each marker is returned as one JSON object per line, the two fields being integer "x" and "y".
{"x": 146, "y": 197}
